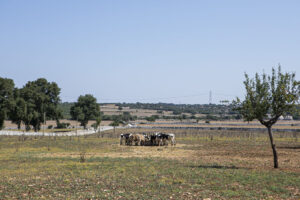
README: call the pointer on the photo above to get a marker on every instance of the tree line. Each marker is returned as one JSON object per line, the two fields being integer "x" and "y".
{"x": 38, "y": 101}
{"x": 178, "y": 109}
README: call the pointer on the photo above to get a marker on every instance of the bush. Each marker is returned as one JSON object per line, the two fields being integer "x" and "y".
{"x": 50, "y": 126}
{"x": 94, "y": 125}
{"x": 152, "y": 118}
{"x": 62, "y": 125}
{"x": 238, "y": 117}
{"x": 176, "y": 112}
{"x": 115, "y": 123}
{"x": 211, "y": 117}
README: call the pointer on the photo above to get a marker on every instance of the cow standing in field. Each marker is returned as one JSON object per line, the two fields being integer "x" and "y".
{"x": 147, "y": 139}
{"x": 125, "y": 138}
{"x": 153, "y": 140}
{"x": 156, "y": 139}
{"x": 165, "y": 138}
{"x": 171, "y": 138}
{"x": 137, "y": 139}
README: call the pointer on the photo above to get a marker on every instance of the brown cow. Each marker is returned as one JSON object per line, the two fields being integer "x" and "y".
{"x": 137, "y": 139}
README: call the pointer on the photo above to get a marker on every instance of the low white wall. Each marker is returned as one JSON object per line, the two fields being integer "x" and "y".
{"x": 72, "y": 133}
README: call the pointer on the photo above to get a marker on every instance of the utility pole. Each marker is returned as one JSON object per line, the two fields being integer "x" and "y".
{"x": 210, "y": 97}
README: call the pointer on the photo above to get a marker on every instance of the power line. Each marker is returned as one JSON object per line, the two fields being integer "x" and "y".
{"x": 159, "y": 98}
{"x": 72, "y": 98}
{"x": 228, "y": 95}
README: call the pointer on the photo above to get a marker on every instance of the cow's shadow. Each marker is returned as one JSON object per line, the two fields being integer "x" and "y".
{"x": 214, "y": 167}
{"x": 289, "y": 147}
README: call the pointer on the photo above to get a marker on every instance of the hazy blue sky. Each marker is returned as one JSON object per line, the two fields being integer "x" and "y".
{"x": 148, "y": 51}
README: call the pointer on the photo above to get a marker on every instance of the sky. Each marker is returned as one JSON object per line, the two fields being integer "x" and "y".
{"x": 148, "y": 51}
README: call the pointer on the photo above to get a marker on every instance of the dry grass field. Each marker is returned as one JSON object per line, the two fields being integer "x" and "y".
{"x": 203, "y": 164}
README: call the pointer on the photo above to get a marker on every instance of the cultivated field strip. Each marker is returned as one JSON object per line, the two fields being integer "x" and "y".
{"x": 217, "y": 127}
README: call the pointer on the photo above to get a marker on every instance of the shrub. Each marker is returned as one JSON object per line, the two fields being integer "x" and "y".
{"x": 152, "y": 118}
{"x": 62, "y": 125}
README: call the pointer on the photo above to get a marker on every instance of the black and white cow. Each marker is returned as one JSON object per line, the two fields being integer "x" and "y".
{"x": 165, "y": 138}
{"x": 125, "y": 138}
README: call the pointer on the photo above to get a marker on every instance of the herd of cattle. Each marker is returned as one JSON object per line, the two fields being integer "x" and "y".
{"x": 154, "y": 139}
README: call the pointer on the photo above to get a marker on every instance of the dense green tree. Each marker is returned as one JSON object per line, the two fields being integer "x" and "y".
{"x": 296, "y": 115}
{"x": 18, "y": 113}
{"x": 6, "y": 98}
{"x": 86, "y": 108}
{"x": 126, "y": 116}
{"x": 267, "y": 98}
{"x": 41, "y": 100}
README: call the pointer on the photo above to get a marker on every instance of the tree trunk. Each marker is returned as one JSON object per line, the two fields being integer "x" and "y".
{"x": 99, "y": 132}
{"x": 2, "y": 118}
{"x": 273, "y": 147}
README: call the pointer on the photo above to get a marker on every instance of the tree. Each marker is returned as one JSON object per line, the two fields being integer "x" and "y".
{"x": 6, "y": 98}
{"x": 18, "y": 113}
{"x": 296, "y": 115}
{"x": 97, "y": 123}
{"x": 115, "y": 123}
{"x": 86, "y": 108}
{"x": 38, "y": 99}
{"x": 152, "y": 118}
{"x": 268, "y": 98}
{"x": 126, "y": 116}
